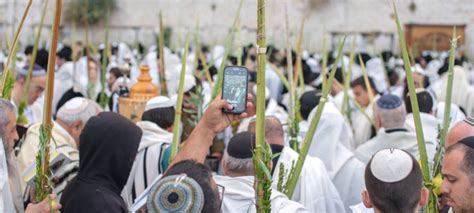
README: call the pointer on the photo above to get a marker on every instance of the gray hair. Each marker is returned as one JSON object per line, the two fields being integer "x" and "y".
{"x": 237, "y": 165}
{"x": 5, "y": 107}
{"x": 391, "y": 118}
{"x": 82, "y": 114}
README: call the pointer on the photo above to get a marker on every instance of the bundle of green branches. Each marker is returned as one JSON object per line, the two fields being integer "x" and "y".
{"x": 22, "y": 119}
{"x": 436, "y": 171}
{"x": 7, "y": 75}
{"x": 105, "y": 60}
{"x": 42, "y": 188}
{"x": 93, "y": 13}
{"x": 228, "y": 46}
{"x": 432, "y": 203}
{"x": 293, "y": 177}
{"x": 196, "y": 98}
{"x": 179, "y": 104}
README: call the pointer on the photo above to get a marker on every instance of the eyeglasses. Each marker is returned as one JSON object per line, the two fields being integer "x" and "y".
{"x": 221, "y": 190}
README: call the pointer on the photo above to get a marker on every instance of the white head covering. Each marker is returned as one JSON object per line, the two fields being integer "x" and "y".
{"x": 218, "y": 55}
{"x": 159, "y": 102}
{"x": 456, "y": 114}
{"x": 81, "y": 77}
{"x": 463, "y": 93}
{"x": 75, "y": 105}
{"x": 267, "y": 92}
{"x": 376, "y": 71}
{"x": 331, "y": 138}
{"x": 391, "y": 165}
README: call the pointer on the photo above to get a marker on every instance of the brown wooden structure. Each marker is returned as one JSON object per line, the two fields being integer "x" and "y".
{"x": 425, "y": 37}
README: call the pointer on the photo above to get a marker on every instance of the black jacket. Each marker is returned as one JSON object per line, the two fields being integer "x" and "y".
{"x": 107, "y": 149}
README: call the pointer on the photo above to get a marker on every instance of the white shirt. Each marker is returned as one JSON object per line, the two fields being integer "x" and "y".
{"x": 314, "y": 188}
{"x": 239, "y": 196}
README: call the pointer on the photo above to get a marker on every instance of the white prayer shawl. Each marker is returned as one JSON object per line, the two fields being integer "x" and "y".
{"x": 361, "y": 125}
{"x": 239, "y": 197}
{"x": 314, "y": 188}
{"x": 147, "y": 165}
{"x": 456, "y": 114}
{"x": 338, "y": 100}
{"x": 6, "y": 200}
{"x": 273, "y": 83}
{"x": 429, "y": 123}
{"x": 376, "y": 71}
{"x": 63, "y": 81}
{"x": 396, "y": 90}
{"x": 346, "y": 172}
{"x": 398, "y": 139}
{"x": 286, "y": 97}
{"x": 360, "y": 208}
{"x": 34, "y": 112}
{"x": 463, "y": 93}
{"x": 272, "y": 109}
{"x": 81, "y": 78}
{"x": 64, "y": 143}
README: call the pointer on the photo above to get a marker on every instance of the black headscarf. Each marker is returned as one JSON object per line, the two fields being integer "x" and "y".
{"x": 108, "y": 146}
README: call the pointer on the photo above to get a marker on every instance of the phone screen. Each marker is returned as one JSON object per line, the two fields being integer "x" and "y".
{"x": 234, "y": 88}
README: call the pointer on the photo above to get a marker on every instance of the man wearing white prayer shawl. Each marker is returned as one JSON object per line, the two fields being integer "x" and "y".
{"x": 328, "y": 144}
{"x": 70, "y": 121}
{"x": 363, "y": 128}
{"x": 33, "y": 110}
{"x": 272, "y": 108}
{"x": 10, "y": 191}
{"x": 456, "y": 114}
{"x": 390, "y": 113}
{"x": 308, "y": 101}
{"x": 63, "y": 78}
{"x": 273, "y": 83}
{"x": 375, "y": 69}
{"x": 157, "y": 127}
{"x": 239, "y": 193}
{"x": 86, "y": 76}
{"x": 314, "y": 188}
{"x": 430, "y": 123}
{"x": 463, "y": 93}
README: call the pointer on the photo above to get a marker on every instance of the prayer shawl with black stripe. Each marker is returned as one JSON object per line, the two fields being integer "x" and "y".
{"x": 149, "y": 161}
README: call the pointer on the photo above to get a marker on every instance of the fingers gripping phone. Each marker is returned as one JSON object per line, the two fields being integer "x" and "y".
{"x": 234, "y": 88}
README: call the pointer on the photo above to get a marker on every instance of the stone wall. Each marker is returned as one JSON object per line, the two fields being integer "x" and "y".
{"x": 137, "y": 20}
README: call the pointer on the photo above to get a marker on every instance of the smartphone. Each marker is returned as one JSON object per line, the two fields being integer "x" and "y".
{"x": 234, "y": 88}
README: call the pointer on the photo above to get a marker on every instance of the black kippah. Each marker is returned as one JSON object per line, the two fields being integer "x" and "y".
{"x": 241, "y": 145}
{"x": 469, "y": 141}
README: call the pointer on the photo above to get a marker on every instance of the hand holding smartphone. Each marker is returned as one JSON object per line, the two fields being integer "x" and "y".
{"x": 234, "y": 88}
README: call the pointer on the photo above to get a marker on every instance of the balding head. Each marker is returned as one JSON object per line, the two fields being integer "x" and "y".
{"x": 273, "y": 130}
{"x": 75, "y": 113}
{"x": 390, "y": 112}
{"x": 460, "y": 130}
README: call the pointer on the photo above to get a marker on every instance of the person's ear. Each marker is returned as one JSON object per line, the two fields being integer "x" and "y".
{"x": 377, "y": 121}
{"x": 77, "y": 125}
{"x": 424, "y": 194}
{"x": 170, "y": 129}
{"x": 366, "y": 199}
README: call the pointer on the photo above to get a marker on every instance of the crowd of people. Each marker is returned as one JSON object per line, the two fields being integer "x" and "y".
{"x": 363, "y": 157}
